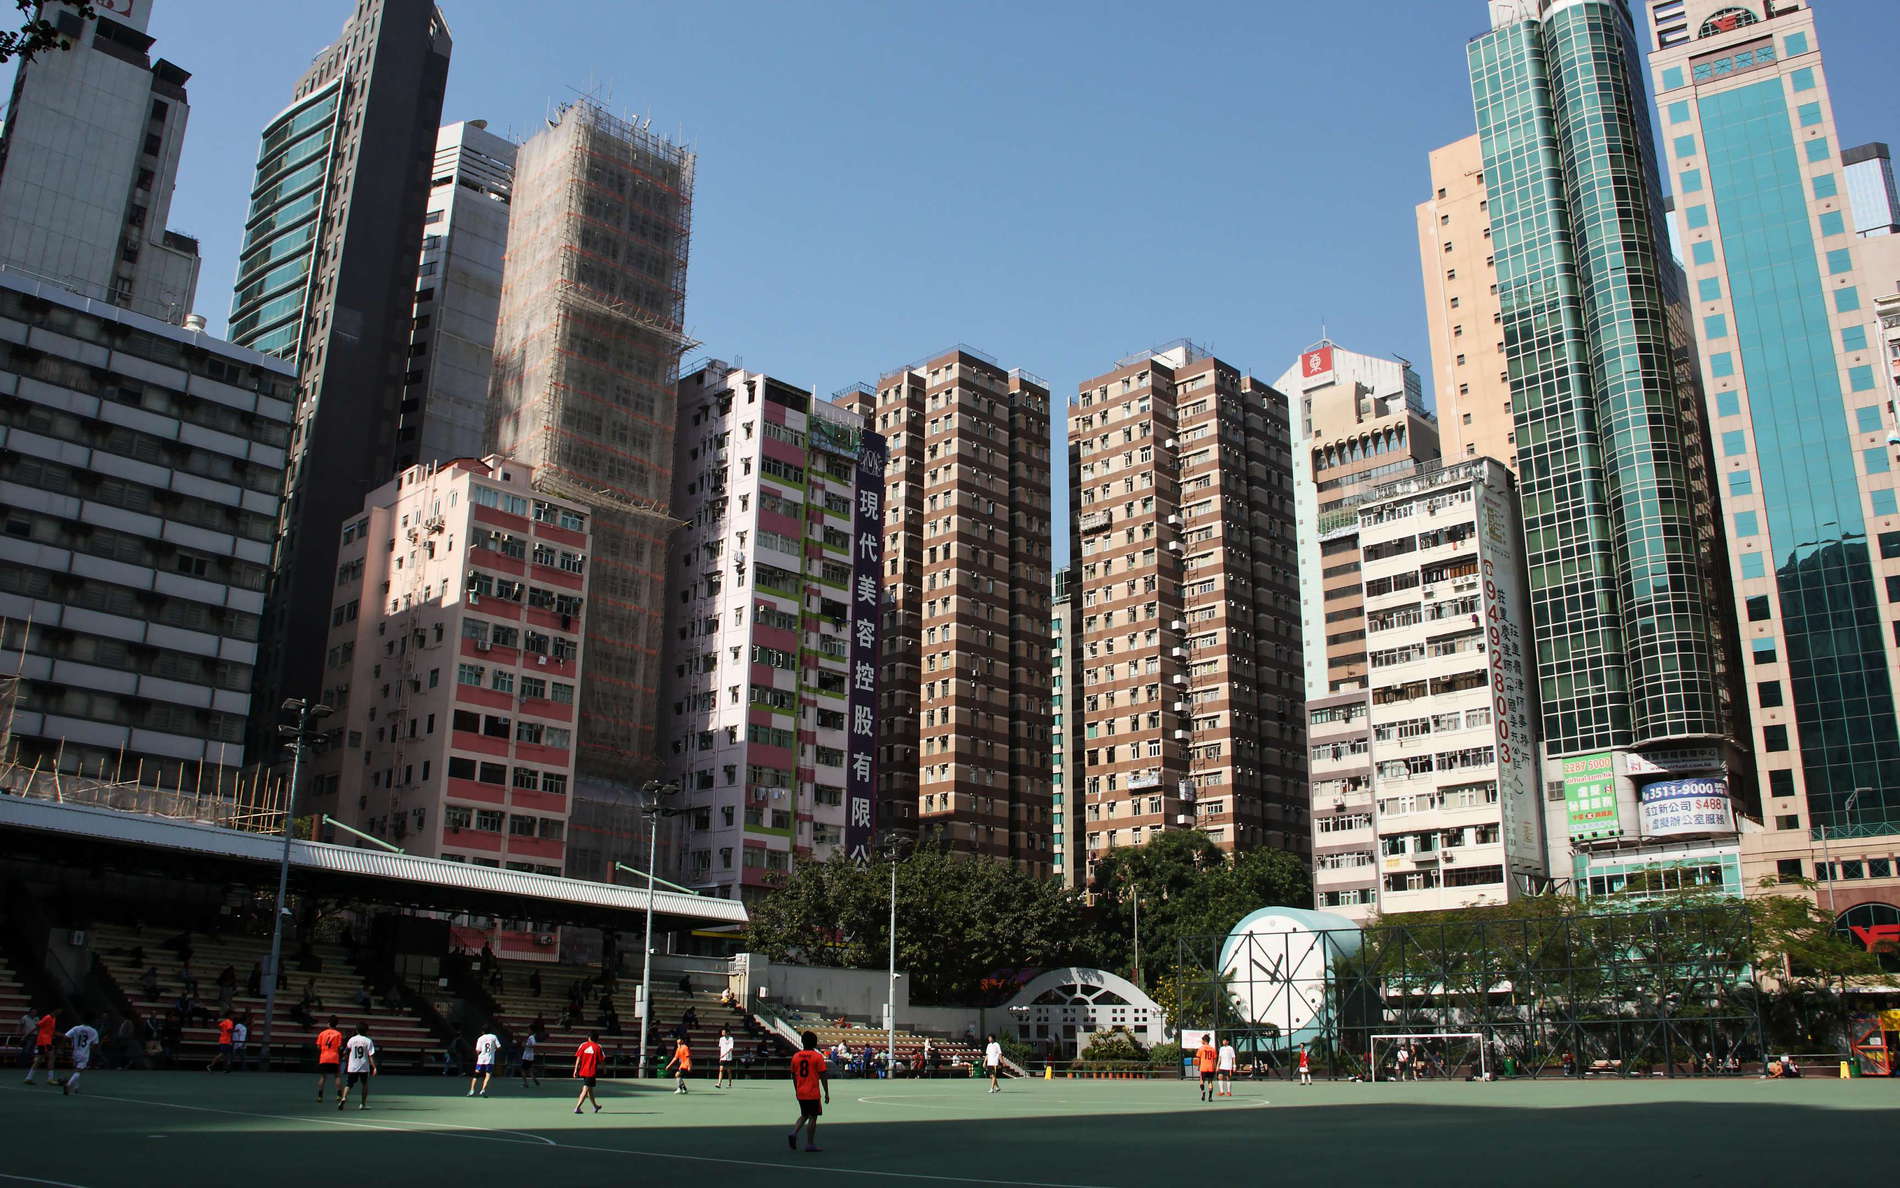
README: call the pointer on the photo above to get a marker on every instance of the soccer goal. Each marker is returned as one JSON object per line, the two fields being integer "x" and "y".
{"x": 1422, "y": 1055}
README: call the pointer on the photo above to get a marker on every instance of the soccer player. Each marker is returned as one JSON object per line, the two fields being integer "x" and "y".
{"x": 1306, "y": 1066}
{"x": 809, "y": 1078}
{"x": 993, "y": 1063}
{"x": 1205, "y": 1058}
{"x": 227, "y": 1027}
{"x": 527, "y": 1058}
{"x": 586, "y": 1069}
{"x": 724, "y": 1072}
{"x": 486, "y": 1049}
{"x": 329, "y": 1059}
{"x": 239, "y": 1034}
{"x": 1226, "y": 1063}
{"x": 682, "y": 1064}
{"x": 362, "y": 1066}
{"x": 82, "y": 1037}
{"x": 44, "y": 1054}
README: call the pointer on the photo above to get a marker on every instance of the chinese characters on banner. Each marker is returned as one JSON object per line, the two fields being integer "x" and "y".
{"x": 867, "y": 584}
{"x": 1510, "y": 692}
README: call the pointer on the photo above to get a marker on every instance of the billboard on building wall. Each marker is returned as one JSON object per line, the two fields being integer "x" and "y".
{"x": 1316, "y": 362}
{"x": 1505, "y": 643}
{"x": 1691, "y": 807}
{"x": 1590, "y": 796}
{"x": 867, "y": 590}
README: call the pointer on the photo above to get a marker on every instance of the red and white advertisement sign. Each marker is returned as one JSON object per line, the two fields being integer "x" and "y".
{"x": 1316, "y": 362}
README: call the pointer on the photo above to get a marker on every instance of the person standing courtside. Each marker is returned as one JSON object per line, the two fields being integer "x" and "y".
{"x": 360, "y": 1055}
{"x": 330, "y": 1059}
{"x": 809, "y": 1079}
{"x": 586, "y": 1070}
{"x": 487, "y": 1047}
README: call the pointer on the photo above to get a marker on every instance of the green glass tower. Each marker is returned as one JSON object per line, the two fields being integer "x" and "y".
{"x": 1612, "y": 454}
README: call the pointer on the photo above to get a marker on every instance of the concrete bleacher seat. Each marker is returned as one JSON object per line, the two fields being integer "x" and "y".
{"x": 14, "y": 1002}
{"x": 517, "y": 1007}
{"x": 909, "y": 1044}
{"x": 403, "y": 1041}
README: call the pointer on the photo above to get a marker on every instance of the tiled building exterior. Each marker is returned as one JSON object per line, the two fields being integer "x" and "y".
{"x": 964, "y": 681}
{"x": 1188, "y": 658}
{"x": 453, "y": 666}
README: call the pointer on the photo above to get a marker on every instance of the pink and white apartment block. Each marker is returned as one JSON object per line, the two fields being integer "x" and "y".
{"x": 453, "y": 667}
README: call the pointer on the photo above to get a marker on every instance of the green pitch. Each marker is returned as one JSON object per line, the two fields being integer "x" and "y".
{"x": 141, "y": 1129}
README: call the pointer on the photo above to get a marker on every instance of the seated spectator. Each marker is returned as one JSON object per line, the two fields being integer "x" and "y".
{"x": 310, "y": 994}
{"x": 363, "y": 996}
{"x": 254, "y": 981}
{"x": 534, "y": 982}
{"x": 149, "y": 983}
{"x": 691, "y": 1018}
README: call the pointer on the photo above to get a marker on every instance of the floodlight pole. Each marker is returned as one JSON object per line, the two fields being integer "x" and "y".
{"x": 653, "y": 805}
{"x": 891, "y": 847}
{"x": 300, "y": 734}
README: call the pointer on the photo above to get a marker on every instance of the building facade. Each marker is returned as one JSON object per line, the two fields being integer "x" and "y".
{"x": 88, "y": 162}
{"x": 964, "y": 679}
{"x": 1181, "y": 478}
{"x": 586, "y": 361}
{"x": 1798, "y": 385}
{"x": 1867, "y": 173}
{"x": 1470, "y": 371}
{"x": 444, "y": 412}
{"x": 1066, "y": 852}
{"x": 1457, "y": 814}
{"x": 765, "y": 609}
{"x": 1633, "y": 657}
{"x": 141, "y": 471}
{"x": 326, "y": 279}
{"x": 453, "y": 665}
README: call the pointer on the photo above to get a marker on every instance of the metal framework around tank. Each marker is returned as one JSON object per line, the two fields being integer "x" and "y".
{"x": 1665, "y": 991}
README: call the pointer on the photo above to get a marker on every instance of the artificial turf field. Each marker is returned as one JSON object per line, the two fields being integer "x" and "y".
{"x": 141, "y": 1129}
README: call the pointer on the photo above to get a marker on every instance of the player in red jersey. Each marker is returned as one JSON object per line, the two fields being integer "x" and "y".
{"x": 329, "y": 1058}
{"x": 1306, "y": 1066}
{"x": 226, "y": 1026}
{"x": 45, "y": 1055}
{"x": 809, "y": 1080}
{"x": 587, "y": 1060}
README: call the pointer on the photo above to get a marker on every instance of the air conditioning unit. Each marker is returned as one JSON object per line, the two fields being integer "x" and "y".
{"x": 482, "y": 645}
{"x": 544, "y": 939}
{"x": 474, "y": 599}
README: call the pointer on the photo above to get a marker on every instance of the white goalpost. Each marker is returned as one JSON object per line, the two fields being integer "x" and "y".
{"x": 1412, "y": 1039}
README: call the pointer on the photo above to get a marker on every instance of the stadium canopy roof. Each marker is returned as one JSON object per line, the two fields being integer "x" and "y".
{"x": 130, "y": 842}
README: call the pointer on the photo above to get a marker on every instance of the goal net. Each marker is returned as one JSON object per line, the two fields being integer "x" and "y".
{"x": 1429, "y": 1055}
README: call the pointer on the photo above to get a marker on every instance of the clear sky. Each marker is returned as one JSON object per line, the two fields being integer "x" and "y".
{"x": 1057, "y": 183}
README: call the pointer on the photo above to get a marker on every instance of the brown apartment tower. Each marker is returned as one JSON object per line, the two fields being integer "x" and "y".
{"x": 1180, "y": 469}
{"x": 586, "y": 359}
{"x": 964, "y": 696}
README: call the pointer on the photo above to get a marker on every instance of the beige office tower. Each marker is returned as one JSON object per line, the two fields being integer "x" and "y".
{"x": 1189, "y": 651}
{"x": 1470, "y": 374}
{"x": 1359, "y": 422}
{"x": 586, "y": 356}
{"x": 964, "y": 680}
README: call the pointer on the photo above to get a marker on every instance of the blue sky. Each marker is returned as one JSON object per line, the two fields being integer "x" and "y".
{"x": 1057, "y": 183}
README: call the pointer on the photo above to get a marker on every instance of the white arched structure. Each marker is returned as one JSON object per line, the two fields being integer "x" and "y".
{"x": 1064, "y": 1008}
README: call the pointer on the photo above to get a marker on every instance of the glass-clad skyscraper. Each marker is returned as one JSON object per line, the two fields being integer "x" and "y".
{"x": 1784, "y": 293}
{"x": 1612, "y": 454}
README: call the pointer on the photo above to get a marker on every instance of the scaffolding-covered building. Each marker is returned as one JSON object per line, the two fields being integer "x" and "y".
{"x": 586, "y": 358}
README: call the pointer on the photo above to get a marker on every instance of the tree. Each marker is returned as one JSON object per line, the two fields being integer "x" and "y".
{"x": 35, "y": 34}
{"x": 1191, "y": 893}
{"x": 959, "y": 922}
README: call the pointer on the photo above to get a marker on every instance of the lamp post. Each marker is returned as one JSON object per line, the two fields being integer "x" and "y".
{"x": 653, "y": 803}
{"x": 891, "y": 848}
{"x": 302, "y": 738}
{"x": 1827, "y": 857}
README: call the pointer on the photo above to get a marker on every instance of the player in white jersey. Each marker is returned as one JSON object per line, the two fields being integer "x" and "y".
{"x": 82, "y": 1038}
{"x": 528, "y": 1040}
{"x": 1224, "y": 1065}
{"x": 486, "y": 1049}
{"x": 360, "y": 1062}
{"x": 725, "y": 1059}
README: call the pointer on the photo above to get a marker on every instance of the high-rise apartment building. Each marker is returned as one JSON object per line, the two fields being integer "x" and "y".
{"x": 1470, "y": 372}
{"x": 1188, "y": 661}
{"x": 586, "y": 358}
{"x": 777, "y": 582}
{"x": 1358, "y": 421}
{"x": 1454, "y": 814}
{"x": 1798, "y": 390}
{"x": 326, "y": 279}
{"x": 444, "y": 410}
{"x": 88, "y": 162}
{"x": 1633, "y": 663}
{"x": 964, "y": 684}
{"x": 1065, "y": 818}
{"x": 1867, "y": 174}
{"x": 141, "y": 468}
{"x": 452, "y": 665}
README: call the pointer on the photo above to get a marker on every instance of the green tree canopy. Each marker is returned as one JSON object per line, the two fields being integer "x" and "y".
{"x": 34, "y": 34}
{"x": 1191, "y": 893}
{"x": 959, "y": 920}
